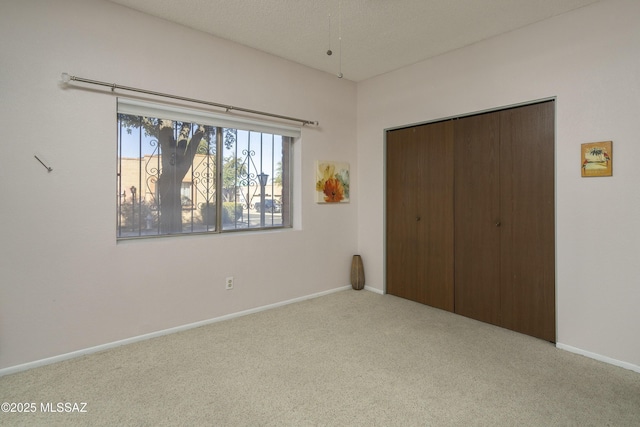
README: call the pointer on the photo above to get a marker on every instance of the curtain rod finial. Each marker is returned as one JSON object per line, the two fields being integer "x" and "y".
{"x": 66, "y": 78}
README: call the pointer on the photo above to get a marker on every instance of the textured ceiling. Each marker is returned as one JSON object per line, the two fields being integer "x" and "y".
{"x": 377, "y": 36}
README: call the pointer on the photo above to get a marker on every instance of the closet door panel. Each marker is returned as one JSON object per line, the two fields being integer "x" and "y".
{"x": 401, "y": 237}
{"x": 477, "y": 217}
{"x": 420, "y": 214}
{"x": 434, "y": 214}
{"x": 527, "y": 210}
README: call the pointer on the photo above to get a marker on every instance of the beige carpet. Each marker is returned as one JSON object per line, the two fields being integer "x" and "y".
{"x": 351, "y": 358}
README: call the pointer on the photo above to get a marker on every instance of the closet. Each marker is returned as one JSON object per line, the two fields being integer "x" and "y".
{"x": 470, "y": 217}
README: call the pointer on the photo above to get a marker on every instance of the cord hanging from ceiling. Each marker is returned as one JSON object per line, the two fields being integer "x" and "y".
{"x": 340, "y": 39}
{"x": 329, "y": 51}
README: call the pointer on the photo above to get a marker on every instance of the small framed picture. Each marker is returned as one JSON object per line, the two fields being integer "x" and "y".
{"x": 597, "y": 159}
{"x": 332, "y": 182}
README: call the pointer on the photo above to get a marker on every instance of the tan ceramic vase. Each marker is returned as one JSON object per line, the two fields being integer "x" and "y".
{"x": 357, "y": 273}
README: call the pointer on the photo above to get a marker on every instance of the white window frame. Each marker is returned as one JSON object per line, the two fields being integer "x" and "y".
{"x": 202, "y": 117}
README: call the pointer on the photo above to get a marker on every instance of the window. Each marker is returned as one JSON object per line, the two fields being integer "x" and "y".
{"x": 167, "y": 180}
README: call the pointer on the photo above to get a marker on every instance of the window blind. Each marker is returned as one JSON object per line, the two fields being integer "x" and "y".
{"x": 203, "y": 117}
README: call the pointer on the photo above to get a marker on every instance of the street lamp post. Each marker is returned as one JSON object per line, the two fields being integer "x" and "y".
{"x": 262, "y": 177}
{"x": 133, "y": 207}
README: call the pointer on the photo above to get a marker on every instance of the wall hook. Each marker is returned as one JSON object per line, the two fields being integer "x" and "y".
{"x": 49, "y": 169}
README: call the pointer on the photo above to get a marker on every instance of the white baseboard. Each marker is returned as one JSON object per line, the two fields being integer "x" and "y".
{"x": 599, "y": 357}
{"x": 102, "y": 347}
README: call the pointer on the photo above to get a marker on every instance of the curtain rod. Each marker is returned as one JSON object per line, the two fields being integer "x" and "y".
{"x": 66, "y": 78}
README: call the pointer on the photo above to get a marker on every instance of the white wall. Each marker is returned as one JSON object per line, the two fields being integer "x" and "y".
{"x": 65, "y": 284}
{"x": 589, "y": 59}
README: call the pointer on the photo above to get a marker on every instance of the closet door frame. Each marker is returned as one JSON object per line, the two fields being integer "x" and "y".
{"x": 551, "y": 328}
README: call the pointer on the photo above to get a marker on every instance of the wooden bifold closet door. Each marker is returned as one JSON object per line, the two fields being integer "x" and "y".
{"x": 477, "y": 217}
{"x": 420, "y": 214}
{"x": 470, "y": 217}
{"x": 527, "y": 210}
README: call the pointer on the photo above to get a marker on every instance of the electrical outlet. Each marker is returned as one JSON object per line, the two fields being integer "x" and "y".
{"x": 229, "y": 283}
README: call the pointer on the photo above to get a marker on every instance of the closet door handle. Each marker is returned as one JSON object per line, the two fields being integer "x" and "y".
{"x": 498, "y": 223}
{"x": 417, "y": 218}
